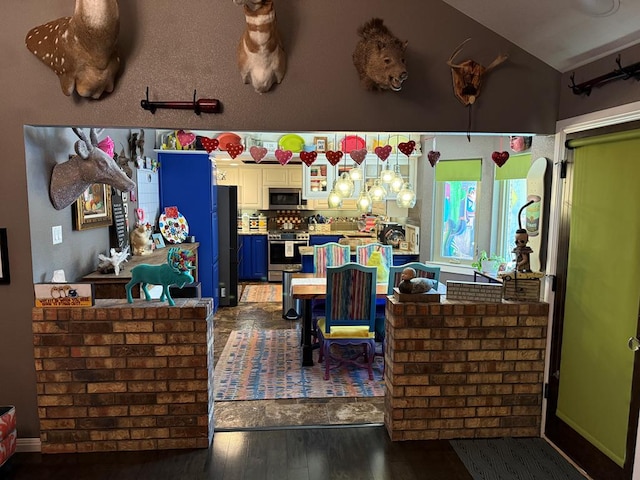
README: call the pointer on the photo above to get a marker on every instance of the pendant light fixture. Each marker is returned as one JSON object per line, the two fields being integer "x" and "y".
{"x": 377, "y": 191}
{"x": 364, "y": 201}
{"x": 344, "y": 185}
{"x": 406, "y": 196}
{"x": 387, "y": 175}
{"x": 397, "y": 182}
{"x": 334, "y": 200}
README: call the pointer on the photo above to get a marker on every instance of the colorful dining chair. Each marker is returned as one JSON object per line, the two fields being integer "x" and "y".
{"x": 363, "y": 256}
{"x": 350, "y": 315}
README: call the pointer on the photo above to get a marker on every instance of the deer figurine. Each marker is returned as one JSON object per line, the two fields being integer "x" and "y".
{"x": 261, "y": 58}
{"x": 81, "y": 49}
{"x": 89, "y": 165}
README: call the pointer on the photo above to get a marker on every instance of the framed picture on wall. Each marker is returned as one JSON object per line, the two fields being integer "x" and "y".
{"x": 93, "y": 208}
{"x": 4, "y": 257}
{"x": 320, "y": 143}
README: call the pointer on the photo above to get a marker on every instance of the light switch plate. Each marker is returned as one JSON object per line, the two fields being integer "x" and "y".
{"x": 56, "y": 234}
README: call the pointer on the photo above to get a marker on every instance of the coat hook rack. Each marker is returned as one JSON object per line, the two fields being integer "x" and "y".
{"x": 204, "y": 105}
{"x": 620, "y": 73}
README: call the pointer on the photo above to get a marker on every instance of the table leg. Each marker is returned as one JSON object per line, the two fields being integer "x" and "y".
{"x": 307, "y": 348}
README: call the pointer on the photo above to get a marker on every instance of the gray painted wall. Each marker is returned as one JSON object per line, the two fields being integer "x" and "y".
{"x": 176, "y": 49}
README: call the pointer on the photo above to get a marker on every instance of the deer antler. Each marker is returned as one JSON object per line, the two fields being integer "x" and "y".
{"x": 81, "y": 49}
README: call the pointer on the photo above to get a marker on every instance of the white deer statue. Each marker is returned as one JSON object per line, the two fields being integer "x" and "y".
{"x": 261, "y": 58}
{"x": 81, "y": 49}
{"x": 90, "y": 165}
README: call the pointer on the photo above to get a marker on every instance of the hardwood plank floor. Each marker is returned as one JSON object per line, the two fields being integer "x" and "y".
{"x": 355, "y": 453}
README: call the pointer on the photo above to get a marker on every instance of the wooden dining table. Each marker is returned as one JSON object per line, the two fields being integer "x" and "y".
{"x": 308, "y": 287}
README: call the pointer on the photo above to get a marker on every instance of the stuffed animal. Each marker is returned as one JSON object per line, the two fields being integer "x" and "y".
{"x": 140, "y": 241}
{"x": 379, "y": 57}
{"x": 411, "y": 284}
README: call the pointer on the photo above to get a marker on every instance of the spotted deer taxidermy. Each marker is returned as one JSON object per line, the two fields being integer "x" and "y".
{"x": 261, "y": 58}
{"x": 467, "y": 78}
{"x": 90, "y": 165}
{"x": 81, "y": 49}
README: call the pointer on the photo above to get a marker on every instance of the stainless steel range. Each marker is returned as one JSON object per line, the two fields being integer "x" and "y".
{"x": 284, "y": 252}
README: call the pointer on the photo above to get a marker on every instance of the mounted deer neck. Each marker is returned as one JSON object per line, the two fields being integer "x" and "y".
{"x": 261, "y": 58}
{"x": 81, "y": 49}
{"x": 89, "y": 165}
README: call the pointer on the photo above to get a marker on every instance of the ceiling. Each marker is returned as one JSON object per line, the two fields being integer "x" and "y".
{"x": 560, "y": 32}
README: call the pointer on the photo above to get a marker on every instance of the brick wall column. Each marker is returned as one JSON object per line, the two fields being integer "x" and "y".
{"x": 464, "y": 370}
{"x": 118, "y": 376}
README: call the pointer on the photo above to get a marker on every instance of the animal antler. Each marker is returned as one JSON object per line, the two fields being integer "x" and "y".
{"x": 81, "y": 49}
{"x": 89, "y": 165}
{"x": 468, "y": 75}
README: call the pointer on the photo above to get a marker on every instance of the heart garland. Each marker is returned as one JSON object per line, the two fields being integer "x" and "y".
{"x": 283, "y": 156}
{"x": 407, "y": 147}
{"x": 334, "y": 157}
{"x": 359, "y": 155}
{"x": 308, "y": 157}
{"x": 433, "y": 157}
{"x": 500, "y": 158}
{"x": 234, "y": 149}
{"x": 383, "y": 152}
{"x": 185, "y": 138}
{"x": 258, "y": 153}
{"x": 209, "y": 144}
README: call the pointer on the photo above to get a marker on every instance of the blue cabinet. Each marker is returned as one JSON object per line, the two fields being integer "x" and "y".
{"x": 401, "y": 259}
{"x": 253, "y": 264}
{"x": 322, "y": 239}
{"x": 187, "y": 182}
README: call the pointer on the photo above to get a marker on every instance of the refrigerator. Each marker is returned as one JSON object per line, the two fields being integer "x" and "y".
{"x": 228, "y": 244}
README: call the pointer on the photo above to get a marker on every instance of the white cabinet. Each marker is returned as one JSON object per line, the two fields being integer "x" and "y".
{"x": 228, "y": 176}
{"x": 282, "y": 176}
{"x": 250, "y": 187}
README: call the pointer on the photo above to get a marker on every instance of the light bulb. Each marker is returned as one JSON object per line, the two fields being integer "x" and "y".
{"x": 364, "y": 201}
{"x": 334, "y": 200}
{"x": 355, "y": 173}
{"x": 406, "y": 196}
{"x": 344, "y": 186}
{"x": 387, "y": 175}
{"x": 377, "y": 191}
{"x": 397, "y": 182}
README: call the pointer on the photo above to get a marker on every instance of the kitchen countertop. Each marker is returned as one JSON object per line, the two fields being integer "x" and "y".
{"x": 346, "y": 233}
{"x": 396, "y": 251}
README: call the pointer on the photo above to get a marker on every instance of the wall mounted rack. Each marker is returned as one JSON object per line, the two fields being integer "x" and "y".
{"x": 620, "y": 73}
{"x": 204, "y": 105}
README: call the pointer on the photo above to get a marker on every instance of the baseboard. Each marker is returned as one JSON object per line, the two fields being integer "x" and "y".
{"x": 28, "y": 445}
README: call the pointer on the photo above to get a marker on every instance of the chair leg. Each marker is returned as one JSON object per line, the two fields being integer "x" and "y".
{"x": 321, "y": 354}
{"x": 326, "y": 345}
{"x": 371, "y": 353}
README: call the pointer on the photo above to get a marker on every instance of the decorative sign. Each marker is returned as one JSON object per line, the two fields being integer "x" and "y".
{"x": 118, "y": 231}
{"x": 64, "y": 294}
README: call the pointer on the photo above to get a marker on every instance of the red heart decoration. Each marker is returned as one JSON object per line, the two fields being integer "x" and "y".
{"x": 209, "y": 144}
{"x": 433, "y": 157}
{"x": 334, "y": 157}
{"x": 258, "y": 153}
{"x": 234, "y": 149}
{"x": 283, "y": 156}
{"x": 359, "y": 155}
{"x": 500, "y": 158}
{"x": 308, "y": 157}
{"x": 383, "y": 152}
{"x": 185, "y": 138}
{"x": 407, "y": 147}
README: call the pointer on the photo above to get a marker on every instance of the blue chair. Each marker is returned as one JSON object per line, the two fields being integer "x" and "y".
{"x": 363, "y": 254}
{"x": 350, "y": 315}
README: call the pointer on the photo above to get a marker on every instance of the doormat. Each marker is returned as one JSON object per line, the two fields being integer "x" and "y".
{"x": 514, "y": 459}
{"x": 267, "y": 365}
{"x": 261, "y": 293}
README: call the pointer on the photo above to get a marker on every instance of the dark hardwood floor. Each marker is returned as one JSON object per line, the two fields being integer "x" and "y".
{"x": 349, "y": 453}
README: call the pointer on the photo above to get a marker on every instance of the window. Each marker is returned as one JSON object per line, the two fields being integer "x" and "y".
{"x": 455, "y": 215}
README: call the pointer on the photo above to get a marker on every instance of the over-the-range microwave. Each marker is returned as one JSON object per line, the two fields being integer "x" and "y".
{"x": 286, "y": 199}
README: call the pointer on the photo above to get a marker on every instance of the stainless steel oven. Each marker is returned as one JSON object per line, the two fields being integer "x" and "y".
{"x": 284, "y": 253}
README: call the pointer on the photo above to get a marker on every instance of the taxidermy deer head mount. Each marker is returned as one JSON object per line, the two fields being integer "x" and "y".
{"x": 81, "y": 49}
{"x": 379, "y": 57}
{"x": 89, "y": 165}
{"x": 468, "y": 75}
{"x": 261, "y": 58}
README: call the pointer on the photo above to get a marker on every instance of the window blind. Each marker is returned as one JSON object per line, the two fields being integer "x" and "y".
{"x": 459, "y": 170}
{"x": 516, "y": 167}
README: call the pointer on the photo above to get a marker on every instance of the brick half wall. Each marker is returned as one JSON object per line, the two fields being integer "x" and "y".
{"x": 464, "y": 370}
{"x": 124, "y": 377}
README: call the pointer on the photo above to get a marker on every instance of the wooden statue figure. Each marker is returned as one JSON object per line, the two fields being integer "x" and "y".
{"x": 522, "y": 251}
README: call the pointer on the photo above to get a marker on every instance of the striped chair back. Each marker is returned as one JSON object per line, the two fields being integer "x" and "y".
{"x": 330, "y": 254}
{"x": 351, "y": 296}
{"x": 422, "y": 270}
{"x": 363, "y": 252}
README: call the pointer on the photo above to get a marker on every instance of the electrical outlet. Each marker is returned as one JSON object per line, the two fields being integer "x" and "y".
{"x": 56, "y": 234}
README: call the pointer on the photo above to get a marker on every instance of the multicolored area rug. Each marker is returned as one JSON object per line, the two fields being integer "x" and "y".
{"x": 266, "y": 365}
{"x": 261, "y": 293}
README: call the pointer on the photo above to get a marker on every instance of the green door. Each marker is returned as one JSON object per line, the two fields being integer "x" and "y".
{"x": 591, "y": 394}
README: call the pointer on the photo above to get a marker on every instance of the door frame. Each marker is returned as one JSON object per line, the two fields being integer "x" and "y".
{"x": 583, "y": 123}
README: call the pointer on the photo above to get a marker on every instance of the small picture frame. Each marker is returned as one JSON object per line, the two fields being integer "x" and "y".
{"x": 320, "y": 143}
{"x": 158, "y": 241}
{"x": 404, "y": 245}
{"x": 4, "y": 257}
{"x": 93, "y": 208}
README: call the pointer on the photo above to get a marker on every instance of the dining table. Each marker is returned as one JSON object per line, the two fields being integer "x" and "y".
{"x": 308, "y": 287}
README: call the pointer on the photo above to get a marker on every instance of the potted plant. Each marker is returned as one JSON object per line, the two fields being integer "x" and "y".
{"x": 488, "y": 264}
